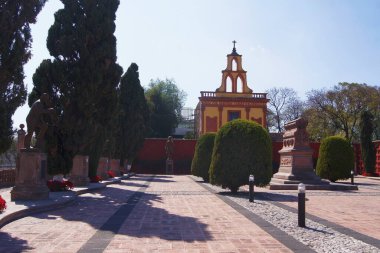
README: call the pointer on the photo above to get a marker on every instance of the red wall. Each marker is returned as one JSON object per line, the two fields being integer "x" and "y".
{"x": 151, "y": 158}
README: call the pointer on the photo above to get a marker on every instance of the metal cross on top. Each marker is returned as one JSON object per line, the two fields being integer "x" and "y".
{"x": 234, "y": 42}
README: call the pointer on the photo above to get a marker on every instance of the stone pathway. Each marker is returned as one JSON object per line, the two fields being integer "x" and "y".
{"x": 165, "y": 214}
{"x": 178, "y": 214}
{"x": 356, "y": 210}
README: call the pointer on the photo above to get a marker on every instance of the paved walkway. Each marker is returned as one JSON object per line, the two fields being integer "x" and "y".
{"x": 172, "y": 214}
{"x": 176, "y": 214}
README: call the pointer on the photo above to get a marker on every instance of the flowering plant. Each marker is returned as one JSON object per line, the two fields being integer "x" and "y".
{"x": 3, "y": 204}
{"x": 110, "y": 173}
{"x": 95, "y": 179}
{"x": 55, "y": 185}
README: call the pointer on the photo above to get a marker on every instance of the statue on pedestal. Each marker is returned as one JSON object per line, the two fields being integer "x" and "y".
{"x": 169, "y": 149}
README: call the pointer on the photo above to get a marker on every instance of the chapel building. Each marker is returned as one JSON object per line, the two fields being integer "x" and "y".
{"x": 232, "y": 100}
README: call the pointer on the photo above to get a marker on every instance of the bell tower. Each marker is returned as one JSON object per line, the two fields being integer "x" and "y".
{"x": 234, "y": 77}
{"x": 233, "y": 99}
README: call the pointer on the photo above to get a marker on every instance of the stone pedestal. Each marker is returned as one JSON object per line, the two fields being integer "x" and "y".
{"x": 115, "y": 167}
{"x": 79, "y": 172}
{"x": 296, "y": 163}
{"x": 102, "y": 168}
{"x": 31, "y": 171}
{"x": 124, "y": 169}
{"x": 169, "y": 166}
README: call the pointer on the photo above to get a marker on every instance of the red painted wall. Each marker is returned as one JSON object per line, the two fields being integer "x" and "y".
{"x": 152, "y": 158}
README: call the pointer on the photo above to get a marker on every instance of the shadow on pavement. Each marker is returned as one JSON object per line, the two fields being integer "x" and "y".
{"x": 158, "y": 178}
{"x": 11, "y": 244}
{"x": 267, "y": 196}
{"x": 146, "y": 220}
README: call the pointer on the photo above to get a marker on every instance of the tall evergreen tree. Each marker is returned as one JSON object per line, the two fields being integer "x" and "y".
{"x": 366, "y": 144}
{"x": 83, "y": 76}
{"x": 133, "y": 114}
{"x": 15, "y": 43}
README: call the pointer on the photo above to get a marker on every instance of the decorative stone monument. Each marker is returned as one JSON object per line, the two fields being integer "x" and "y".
{"x": 31, "y": 170}
{"x": 169, "y": 149}
{"x": 31, "y": 163}
{"x": 79, "y": 173}
{"x": 102, "y": 168}
{"x": 114, "y": 166}
{"x": 296, "y": 163}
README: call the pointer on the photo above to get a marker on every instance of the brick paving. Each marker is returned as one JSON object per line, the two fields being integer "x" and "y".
{"x": 173, "y": 214}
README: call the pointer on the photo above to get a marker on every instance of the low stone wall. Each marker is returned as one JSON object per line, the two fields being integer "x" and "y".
{"x": 7, "y": 177}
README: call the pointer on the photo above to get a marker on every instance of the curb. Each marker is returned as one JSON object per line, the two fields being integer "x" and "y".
{"x": 21, "y": 209}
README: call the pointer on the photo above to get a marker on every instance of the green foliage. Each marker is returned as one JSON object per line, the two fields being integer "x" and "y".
{"x": 337, "y": 111}
{"x": 133, "y": 114}
{"x": 336, "y": 158}
{"x": 366, "y": 144}
{"x": 241, "y": 148}
{"x": 189, "y": 135}
{"x": 202, "y": 156}
{"x": 166, "y": 101}
{"x": 83, "y": 76}
{"x": 9, "y": 157}
{"x": 15, "y": 42}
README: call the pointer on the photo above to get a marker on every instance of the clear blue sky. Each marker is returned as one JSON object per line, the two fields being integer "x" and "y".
{"x": 302, "y": 44}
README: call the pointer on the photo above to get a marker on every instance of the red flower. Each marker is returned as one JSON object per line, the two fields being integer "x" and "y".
{"x": 56, "y": 186}
{"x": 111, "y": 173}
{"x": 95, "y": 179}
{"x": 69, "y": 184}
{"x": 3, "y": 204}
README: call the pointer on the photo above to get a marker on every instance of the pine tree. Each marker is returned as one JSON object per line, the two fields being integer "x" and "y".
{"x": 367, "y": 147}
{"x": 83, "y": 76}
{"x": 15, "y": 43}
{"x": 133, "y": 114}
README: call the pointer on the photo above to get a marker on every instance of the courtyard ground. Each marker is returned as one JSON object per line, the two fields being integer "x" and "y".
{"x": 166, "y": 213}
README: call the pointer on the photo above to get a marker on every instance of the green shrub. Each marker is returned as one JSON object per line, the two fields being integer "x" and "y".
{"x": 336, "y": 159}
{"x": 202, "y": 156}
{"x": 241, "y": 148}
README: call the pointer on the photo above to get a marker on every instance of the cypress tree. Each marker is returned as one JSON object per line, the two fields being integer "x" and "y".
{"x": 367, "y": 147}
{"x": 83, "y": 76}
{"x": 133, "y": 114}
{"x": 15, "y": 42}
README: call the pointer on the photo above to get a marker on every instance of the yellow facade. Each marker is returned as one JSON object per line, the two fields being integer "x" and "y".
{"x": 233, "y": 99}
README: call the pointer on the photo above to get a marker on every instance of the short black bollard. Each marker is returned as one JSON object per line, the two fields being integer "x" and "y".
{"x": 352, "y": 177}
{"x": 301, "y": 205}
{"x": 251, "y": 189}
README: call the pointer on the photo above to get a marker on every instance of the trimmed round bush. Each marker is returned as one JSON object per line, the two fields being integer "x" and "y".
{"x": 241, "y": 148}
{"x": 336, "y": 159}
{"x": 202, "y": 156}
